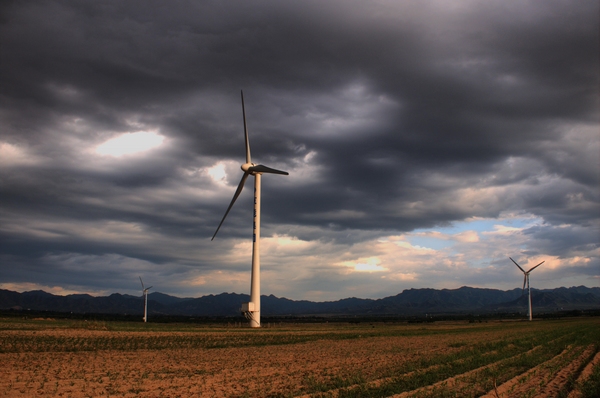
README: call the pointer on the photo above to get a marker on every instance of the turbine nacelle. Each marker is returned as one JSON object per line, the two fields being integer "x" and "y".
{"x": 247, "y": 166}
{"x": 254, "y": 169}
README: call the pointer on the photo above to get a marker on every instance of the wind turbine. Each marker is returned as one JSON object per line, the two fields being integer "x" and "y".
{"x": 526, "y": 281}
{"x": 145, "y": 293}
{"x": 252, "y": 309}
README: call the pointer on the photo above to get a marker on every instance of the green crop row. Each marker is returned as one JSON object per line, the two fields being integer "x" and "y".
{"x": 500, "y": 361}
{"x": 590, "y": 388}
{"x": 190, "y": 338}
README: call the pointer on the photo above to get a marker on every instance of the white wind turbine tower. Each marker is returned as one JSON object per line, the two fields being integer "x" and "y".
{"x": 252, "y": 309}
{"x": 145, "y": 293}
{"x": 526, "y": 281}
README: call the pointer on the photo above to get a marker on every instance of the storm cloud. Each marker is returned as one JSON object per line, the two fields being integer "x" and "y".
{"x": 426, "y": 142}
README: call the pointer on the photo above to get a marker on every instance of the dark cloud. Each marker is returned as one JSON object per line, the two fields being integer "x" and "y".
{"x": 390, "y": 118}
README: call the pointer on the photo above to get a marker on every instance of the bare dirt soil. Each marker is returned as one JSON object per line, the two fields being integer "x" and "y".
{"x": 47, "y": 359}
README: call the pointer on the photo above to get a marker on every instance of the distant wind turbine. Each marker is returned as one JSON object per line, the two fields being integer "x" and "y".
{"x": 526, "y": 281}
{"x": 252, "y": 309}
{"x": 145, "y": 293}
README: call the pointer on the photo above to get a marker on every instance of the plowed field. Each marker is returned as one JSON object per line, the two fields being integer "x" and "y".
{"x": 556, "y": 358}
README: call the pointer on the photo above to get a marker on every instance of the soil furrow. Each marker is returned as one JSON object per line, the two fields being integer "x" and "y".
{"x": 585, "y": 374}
{"x": 458, "y": 382}
{"x": 529, "y": 382}
{"x": 562, "y": 377}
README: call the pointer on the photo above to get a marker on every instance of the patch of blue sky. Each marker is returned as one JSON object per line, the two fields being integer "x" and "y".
{"x": 484, "y": 224}
{"x": 429, "y": 242}
{"x": 426, "y": 237}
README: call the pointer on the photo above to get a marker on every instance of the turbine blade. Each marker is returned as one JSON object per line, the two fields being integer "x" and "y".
{"x": 149, "y": 288}
{"x": 536, "y": 266}
{"x": 524, "y": 281}
{"x": 264, "y": 169}
{"x": 235, "y": 196}
{"x": 248, "y": 160}
{"x": 142, "y": 282}
{"x": 517, "y": 264}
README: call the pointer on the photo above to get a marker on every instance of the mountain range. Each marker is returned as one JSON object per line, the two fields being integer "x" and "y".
{"x": 411, "y": 302}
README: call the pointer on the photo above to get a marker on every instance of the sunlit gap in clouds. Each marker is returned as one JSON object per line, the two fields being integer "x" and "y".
{"x": 429, "y": 254}
{"x": 12, "y": 155}
{"x": 218, "y": 173}
{"x": 130, "y": 143}
{"x": 370, "y": 264}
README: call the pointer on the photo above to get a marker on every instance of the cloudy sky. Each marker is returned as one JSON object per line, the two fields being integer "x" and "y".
{"x": 426, "y": 142}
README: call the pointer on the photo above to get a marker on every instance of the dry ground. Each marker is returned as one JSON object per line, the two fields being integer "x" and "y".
{"x": 58, "y": 358}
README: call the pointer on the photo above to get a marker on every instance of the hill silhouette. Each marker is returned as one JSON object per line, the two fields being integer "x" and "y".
{"x": 411, "y": 302}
